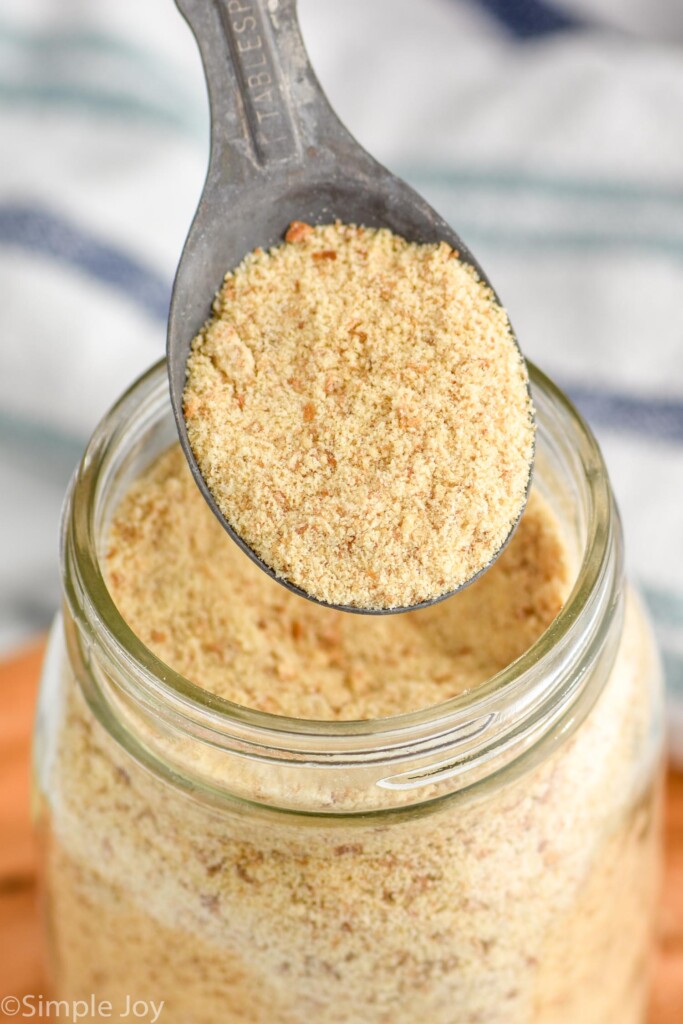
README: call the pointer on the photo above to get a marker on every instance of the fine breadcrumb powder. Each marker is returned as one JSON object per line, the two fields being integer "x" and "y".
{"x": 206, "y": 610}
{"x": 526, "y": 899}
{"x": 360, "y": 411}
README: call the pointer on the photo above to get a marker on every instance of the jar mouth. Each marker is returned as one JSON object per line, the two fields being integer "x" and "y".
{"x": 95, "y": 612}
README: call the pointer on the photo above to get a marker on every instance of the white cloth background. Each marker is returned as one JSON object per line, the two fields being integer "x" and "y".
{"x": 549, "y": 134}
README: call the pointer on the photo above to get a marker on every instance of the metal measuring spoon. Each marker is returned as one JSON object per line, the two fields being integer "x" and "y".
{"x": 279, "y": 154}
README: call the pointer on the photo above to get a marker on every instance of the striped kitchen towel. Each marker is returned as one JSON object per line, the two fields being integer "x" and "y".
{"x": 549, "y": 133}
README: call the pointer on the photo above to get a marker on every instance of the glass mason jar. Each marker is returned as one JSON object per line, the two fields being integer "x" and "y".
{"x": 492, "y": 859}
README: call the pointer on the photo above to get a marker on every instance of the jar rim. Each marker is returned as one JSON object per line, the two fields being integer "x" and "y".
{"x": 160, "y": 686}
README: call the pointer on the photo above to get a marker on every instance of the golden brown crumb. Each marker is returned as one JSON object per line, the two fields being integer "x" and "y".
{"x": 221, "y": 622}
{"x": 360, "y": 411}
{"x": 297, "y": 231}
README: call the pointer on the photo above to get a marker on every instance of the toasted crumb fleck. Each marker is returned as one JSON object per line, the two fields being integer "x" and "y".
{"x": 297, "y": 231}
{"x": 375, "y": 384}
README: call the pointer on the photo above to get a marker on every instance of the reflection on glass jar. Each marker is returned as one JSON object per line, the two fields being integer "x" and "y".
{"x": 492, "y": 858}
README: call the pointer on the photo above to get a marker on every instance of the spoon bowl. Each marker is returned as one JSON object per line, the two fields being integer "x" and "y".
{"x": 279, "y": 154}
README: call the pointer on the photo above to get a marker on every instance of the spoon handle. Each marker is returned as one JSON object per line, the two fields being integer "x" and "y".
{"x": 267, "y": 107}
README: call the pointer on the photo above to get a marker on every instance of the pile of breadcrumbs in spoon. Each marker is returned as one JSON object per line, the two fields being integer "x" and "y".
{"x": 360, "y": 411}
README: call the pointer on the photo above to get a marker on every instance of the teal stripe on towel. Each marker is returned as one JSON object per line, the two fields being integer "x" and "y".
{"x": 566, "y": 240}
{"x": 666, "y": 607}
{"x": 54, "y": 71}
{"x": 94, "y": 100}
{"x": 515, "y": 179}
{"x": 673, "y": 674}
{"x": 78, "y": 41}
{"x": 21, "y": 432}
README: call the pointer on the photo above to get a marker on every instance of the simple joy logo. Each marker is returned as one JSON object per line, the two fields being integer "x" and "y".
{"x": 75, "y": 1010}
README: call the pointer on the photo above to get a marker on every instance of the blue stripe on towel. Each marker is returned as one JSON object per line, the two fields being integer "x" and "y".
{"x": 529, "y": 19}
{"x": 648, "y": 417}
{"x": 48, "y": 234}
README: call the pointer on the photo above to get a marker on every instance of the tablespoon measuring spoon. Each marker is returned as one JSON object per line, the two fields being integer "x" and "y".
{"x": 279, "y": 154}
